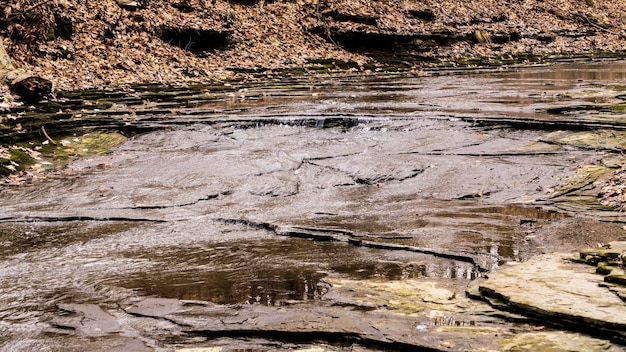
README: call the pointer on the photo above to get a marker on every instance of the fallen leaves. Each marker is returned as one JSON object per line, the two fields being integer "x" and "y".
{"x": 111, "y": 45}
{"x": 613, "y": 193}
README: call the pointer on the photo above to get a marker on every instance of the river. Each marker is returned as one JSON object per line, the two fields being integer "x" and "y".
{"x": 275, "y": 215}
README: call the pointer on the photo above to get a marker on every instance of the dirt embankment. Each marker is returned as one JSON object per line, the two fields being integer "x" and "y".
{"x": 84, "y": 44}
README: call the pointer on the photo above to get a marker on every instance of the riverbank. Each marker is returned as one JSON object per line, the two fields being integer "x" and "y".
{"x": 78, "y": 45}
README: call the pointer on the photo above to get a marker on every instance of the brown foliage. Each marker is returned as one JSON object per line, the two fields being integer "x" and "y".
{"x": 106, "y": 44}
{"x": 25, "y": 22}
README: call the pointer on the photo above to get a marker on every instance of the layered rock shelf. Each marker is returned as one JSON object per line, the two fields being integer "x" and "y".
{"x": 563, "y": 291}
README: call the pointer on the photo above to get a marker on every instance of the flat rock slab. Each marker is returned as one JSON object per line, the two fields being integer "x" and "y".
{"x": 87, "y": 320}
{"x": 423, "y": 316}
{"x": 607, "y": 252}
{"x": 556, "y": 290}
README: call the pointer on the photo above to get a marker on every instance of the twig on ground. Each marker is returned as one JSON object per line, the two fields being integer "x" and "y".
{"x": 29, "y": 9}
{"x": 43, "y": 130}
{"x": 585, "y": 18}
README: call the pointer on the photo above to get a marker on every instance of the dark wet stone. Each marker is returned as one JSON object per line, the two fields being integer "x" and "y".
{"x": 173, "y": 310}
{"x": 616, "y": 278}
{"x": 32, "y": 89}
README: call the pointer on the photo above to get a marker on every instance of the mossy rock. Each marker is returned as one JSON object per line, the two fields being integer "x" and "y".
{"x": 585, "y": 177}
{"x": 71, "y": 148}
{"x": 598, "y": 139}
{"x": 19, "y": 160}
{"x": 608, "y": 262}
{"x": 616, "y": 279}
{"x": 19, "y": 156}
{"x": 606, "y": 268}
{"x": 598, "y": 255}
{"x": 607, "y": 108}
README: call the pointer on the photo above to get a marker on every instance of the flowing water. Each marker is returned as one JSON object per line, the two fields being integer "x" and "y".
{"x": 265, "y": 195}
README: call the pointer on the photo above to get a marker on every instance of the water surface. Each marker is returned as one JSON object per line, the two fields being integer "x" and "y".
{"x": 263, "y": 196}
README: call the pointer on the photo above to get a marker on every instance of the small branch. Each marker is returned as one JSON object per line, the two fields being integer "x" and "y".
{"x": 27, "y": 10}
{"x": 43, "y": 130}
{"x": 585, "y": 18}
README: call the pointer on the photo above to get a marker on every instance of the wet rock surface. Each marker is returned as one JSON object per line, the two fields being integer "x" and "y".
{"x": 560, "y": 293}
{"x": 338, "y": 215}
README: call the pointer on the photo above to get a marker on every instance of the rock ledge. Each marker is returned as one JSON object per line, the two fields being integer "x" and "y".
{"x": 560, "y": 292}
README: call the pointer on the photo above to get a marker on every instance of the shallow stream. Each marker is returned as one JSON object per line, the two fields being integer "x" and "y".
{"x": 277, "y": 195}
